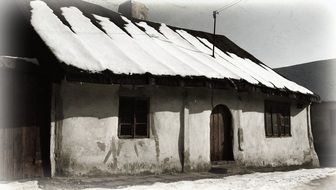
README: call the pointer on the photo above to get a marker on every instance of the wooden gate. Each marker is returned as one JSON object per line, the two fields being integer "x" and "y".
{"x": 221, "y": 134}
{"x": 25, "y": 127}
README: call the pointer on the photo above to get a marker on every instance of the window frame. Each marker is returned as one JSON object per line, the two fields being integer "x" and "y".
{"x": 134, "y": 124}
{"x": 282, "y": 130}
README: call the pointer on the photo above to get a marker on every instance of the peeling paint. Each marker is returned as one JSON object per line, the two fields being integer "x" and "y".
{"x": 101, "y": 146}
{"x": 114, "y": 152}
{"x": 139, "y": 168}
{"x": 156, "y": 139}
{"x": 136, "y": 150}
{"x": 119, "y": 147}
{"x": 141, "y": 143}
{"x": 107, "y": 156}
{"x": 166, "y": 161}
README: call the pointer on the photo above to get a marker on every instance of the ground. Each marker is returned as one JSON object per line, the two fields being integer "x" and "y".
{"x": 303, "y": 179}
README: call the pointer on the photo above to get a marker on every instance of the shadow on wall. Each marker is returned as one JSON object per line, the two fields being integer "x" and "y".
{"x": 324, "y": 132}
{"x": 256, "y": 103}
{"x": 102, "y": 101}
{"x": 88, "y": 100}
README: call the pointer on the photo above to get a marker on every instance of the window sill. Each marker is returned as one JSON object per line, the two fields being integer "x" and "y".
{"x": 271, "y": 137}
{"x": 130, "y": 138}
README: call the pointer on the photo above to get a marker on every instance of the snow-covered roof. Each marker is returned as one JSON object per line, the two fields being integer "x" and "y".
{"x": 97, "y": 39}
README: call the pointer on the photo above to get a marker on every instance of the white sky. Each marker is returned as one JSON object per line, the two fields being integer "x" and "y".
{"x": 278, "y": 32}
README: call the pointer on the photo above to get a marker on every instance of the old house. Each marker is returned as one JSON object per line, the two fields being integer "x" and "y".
{"x": 129, "y": 96}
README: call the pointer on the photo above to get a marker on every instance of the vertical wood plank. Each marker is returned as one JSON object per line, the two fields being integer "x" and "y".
{"x": 18, "y": 152}
{"x": 38, "y": 170}
{"x": 6, "y": 155}
{"x": 25, "y": 153}
{"x": 11, "y": 151}
{"x": 31, "y": 152}
{"x": 221, "y": 133}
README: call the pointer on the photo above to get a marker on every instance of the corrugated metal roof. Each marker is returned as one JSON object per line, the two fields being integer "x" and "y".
{"x": 96, "y": 40}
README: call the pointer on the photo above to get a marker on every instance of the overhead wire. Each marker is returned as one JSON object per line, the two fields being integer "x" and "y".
{"x": 228, "y": 6}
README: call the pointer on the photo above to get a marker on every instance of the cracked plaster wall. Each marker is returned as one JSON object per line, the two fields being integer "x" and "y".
{"x": 85, "y": 140}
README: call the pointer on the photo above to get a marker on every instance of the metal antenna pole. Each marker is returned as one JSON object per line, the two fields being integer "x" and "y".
{"x": 215, "y": 13}
{"x": 214, "y": 33}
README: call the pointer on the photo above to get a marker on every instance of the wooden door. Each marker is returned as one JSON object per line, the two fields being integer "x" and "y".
{"x": 221, "y": 134}
{"x": 25, "y": 132}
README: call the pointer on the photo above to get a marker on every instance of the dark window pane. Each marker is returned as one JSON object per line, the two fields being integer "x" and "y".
{"x": 141, "y": 106}
{"x": 141, "y": 130}
{"x": 268, "y": 124}
{"x": 286, "y": 120}
{"x": 275, "y": 124}
{"x": 281, "y": 130}
{"x": 287, "y": 130}
{"x": 126, "y": 105}
{"x": 282, "y": 124}
{"x": 141, "y": 117}
{"x": 126, "y": 130}
{"x": 126, "y": 118}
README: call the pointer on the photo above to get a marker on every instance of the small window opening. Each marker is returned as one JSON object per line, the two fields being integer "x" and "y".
{"x": 133, "y": 117}
{"x": 277, "y": 119}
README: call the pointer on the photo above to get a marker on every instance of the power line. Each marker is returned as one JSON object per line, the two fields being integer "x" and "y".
{"x": 228, "y": 6}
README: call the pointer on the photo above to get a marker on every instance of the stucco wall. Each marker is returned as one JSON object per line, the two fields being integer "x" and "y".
{"x": 86, "y": 140}
{"x": 260, "y": 150}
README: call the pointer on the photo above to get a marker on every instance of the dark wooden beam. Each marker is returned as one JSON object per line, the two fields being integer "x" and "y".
{"x": 107, "y": 77}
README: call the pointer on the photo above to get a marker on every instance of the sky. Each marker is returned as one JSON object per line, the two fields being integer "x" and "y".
{"x": 277, "y": 32}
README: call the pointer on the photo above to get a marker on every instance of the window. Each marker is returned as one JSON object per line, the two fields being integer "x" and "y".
{"x": 133, "y": 117}
{"x": 277, "y": 119}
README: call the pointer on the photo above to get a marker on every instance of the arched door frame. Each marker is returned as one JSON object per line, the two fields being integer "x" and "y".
{"x": 221, "y": 134}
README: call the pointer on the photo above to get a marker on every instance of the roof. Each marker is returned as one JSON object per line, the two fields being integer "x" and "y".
{"x": 95, "y": 39}
{"x": 318, "y": 76}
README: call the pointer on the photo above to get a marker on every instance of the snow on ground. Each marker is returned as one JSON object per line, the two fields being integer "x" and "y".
{"x": 272, "y": 180}
{"x": 267, "y": 181}
{"x": 28, "y": 185}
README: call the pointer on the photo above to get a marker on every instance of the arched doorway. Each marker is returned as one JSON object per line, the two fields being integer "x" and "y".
{"x": 221, "y": 134}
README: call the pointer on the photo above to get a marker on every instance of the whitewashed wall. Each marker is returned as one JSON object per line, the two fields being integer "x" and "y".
{"x": 85, "y": 140}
